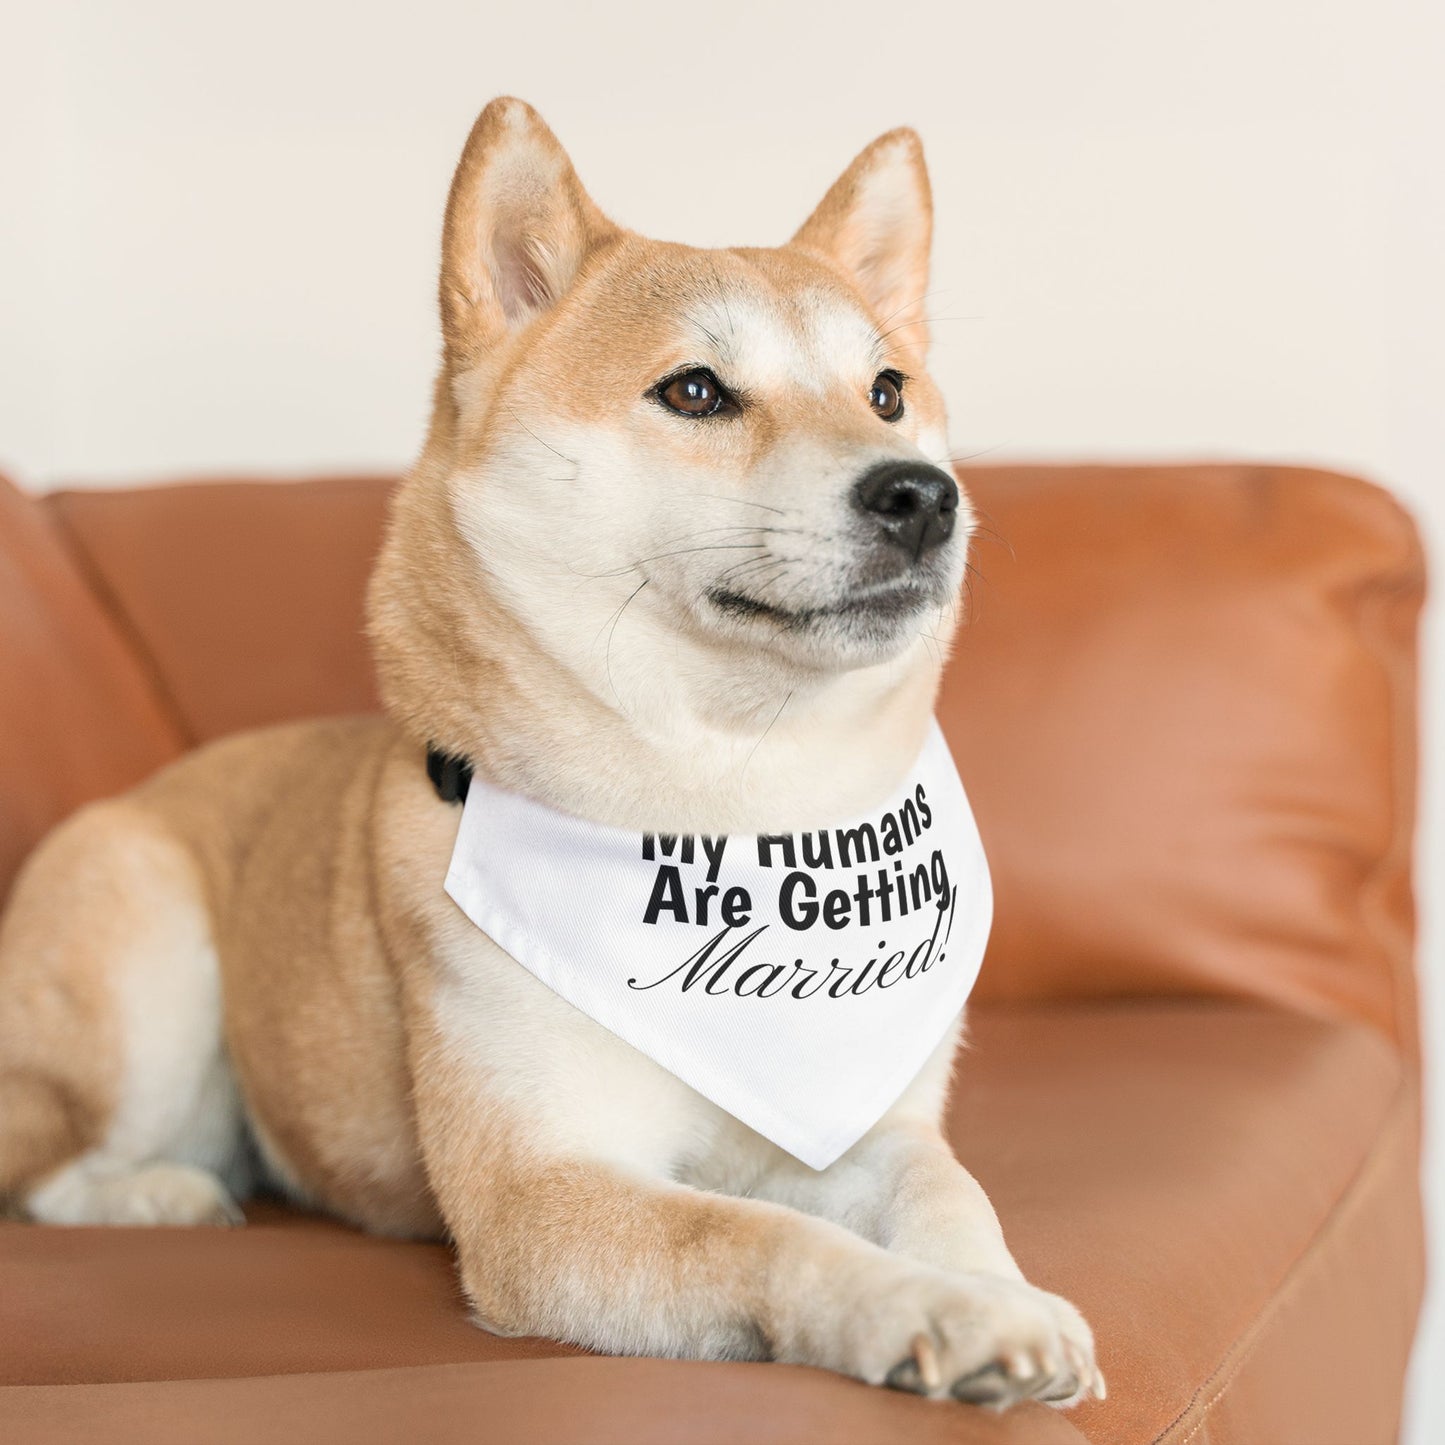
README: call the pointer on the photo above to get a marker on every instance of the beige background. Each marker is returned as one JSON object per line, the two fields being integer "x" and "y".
{"x": 1164, "y": 229}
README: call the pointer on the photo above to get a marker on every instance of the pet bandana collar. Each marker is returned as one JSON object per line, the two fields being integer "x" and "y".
{"x": 798, "y": 981}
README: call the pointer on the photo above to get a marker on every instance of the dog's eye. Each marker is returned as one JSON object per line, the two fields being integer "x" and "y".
{"x": 886, "y": 397}
{"x": 694, "y": 393}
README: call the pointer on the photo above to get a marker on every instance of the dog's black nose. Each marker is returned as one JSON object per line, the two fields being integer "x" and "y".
{"x": 915, "y": 504}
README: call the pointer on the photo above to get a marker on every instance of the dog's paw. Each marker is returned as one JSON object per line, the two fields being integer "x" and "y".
{"x": 984, "y": 1339}
{"x": 151, "y": 1194}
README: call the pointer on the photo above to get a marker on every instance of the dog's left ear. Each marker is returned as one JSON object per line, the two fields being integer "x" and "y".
{"x": 877, "y": 223}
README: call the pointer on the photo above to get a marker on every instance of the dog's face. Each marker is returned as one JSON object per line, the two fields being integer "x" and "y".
{"x": 742, "y": 445}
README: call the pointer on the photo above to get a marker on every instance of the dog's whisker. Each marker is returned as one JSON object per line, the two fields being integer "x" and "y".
{"x": 691, "y": 551}
{"x": 916, "y": 301}
{"x": 738, "y": 568}
{"x": 991, "y": 530}
{"x": 745, "y": 528}
{"x": 881, "y": 349}
{"x": 961, "y": 457}
{"x": 915, "y": 321}
{"x": 571, "y": 461}
{"x": 805, "y": 581}
{"x": 742, "y": 502}
{"x": 760, "y": 579}
{"x": 764, "y": 734}
{"x": 658, "y": 556}
{"x": 617, "y": 618}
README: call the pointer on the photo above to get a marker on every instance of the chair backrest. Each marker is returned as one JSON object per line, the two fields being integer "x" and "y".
{"x": 1183, "y": 703}
{"x": 245, "y": 596}
{"x": 1185, "y": 711}
{"x": 79, "y": 717}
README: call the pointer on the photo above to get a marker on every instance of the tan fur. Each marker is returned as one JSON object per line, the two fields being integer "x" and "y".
{"x": 256, "y": 943}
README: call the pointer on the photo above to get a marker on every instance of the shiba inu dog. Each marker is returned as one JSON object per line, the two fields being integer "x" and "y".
{"x": 677, "y": 556}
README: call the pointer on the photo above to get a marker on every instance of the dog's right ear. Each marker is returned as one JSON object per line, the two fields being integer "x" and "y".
{"x": 518, "y": 228}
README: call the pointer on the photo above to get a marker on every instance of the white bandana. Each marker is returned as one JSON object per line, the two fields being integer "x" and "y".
{"x": 800, "y": 981}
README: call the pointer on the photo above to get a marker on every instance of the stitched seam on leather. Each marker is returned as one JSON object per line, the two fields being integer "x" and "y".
{"x": 124, "y": 623}
{"x": 1397, "y": 583}
{"x": 1240, "y": 1352}
{"x": 1403, "y": 586}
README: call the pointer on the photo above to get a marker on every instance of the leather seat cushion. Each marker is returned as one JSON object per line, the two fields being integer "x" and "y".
{"x": 1195, "y": 1176}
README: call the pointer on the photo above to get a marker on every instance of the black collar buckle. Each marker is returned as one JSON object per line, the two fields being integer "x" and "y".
{"x": 450, "y": 775}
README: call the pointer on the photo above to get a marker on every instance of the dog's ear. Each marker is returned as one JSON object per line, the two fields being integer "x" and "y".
{"x": 518, "y": 228}
{"x": 877, "y": 223}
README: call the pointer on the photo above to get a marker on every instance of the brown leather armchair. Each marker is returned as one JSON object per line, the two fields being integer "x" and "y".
{"x": 1184, "y": 708}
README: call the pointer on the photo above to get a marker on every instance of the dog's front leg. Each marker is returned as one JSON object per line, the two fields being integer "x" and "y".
{"x": 900, "y": 1185}
{"x": 901, "y": 1188}
{"x": 554, "y": 1240}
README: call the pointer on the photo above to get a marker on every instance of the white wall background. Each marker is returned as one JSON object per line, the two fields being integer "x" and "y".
{"x": 1163, "y": 229}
